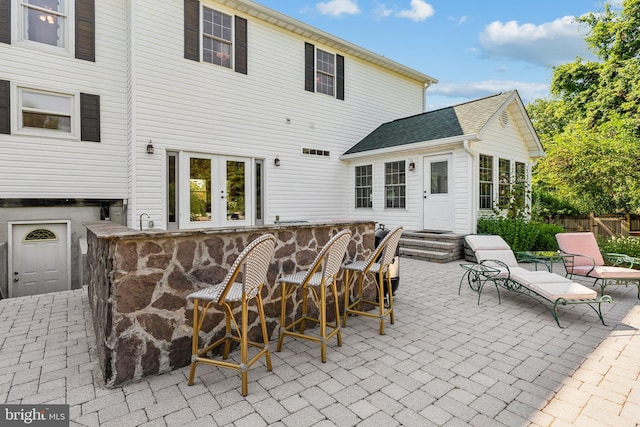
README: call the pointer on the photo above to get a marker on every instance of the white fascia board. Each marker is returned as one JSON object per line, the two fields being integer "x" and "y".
{"x": 416, "y": 146}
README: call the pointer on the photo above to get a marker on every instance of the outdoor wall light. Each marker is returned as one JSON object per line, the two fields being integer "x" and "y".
{"x": 149, "y": 148}
{"x": 412, "y": 165}
{"x": 276, "y": 161}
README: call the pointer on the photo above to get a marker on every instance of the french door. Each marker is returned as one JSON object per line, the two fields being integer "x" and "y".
{"x": 213, "y": 190}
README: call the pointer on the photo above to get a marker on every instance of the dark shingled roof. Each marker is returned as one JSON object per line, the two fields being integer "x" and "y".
{"x": 462, "y": 119}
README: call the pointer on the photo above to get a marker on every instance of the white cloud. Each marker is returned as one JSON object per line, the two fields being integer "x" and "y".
{"x": 382, "y": 11}
{"x": 458, "y": 21}
{"x": 338, "y": 7}
{"x": 547, "y": 44}
{"x": 420, "y": 10}
{"x": 461, "y": 92}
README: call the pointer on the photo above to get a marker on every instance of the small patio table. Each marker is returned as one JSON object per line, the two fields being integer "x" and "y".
{"x": 546, "y": 258}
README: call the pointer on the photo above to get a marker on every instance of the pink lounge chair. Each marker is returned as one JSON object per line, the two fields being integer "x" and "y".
{"x": 497, "y": 264}
{"x": 583, "y": 258}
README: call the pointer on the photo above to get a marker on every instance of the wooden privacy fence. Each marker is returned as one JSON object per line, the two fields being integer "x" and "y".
{"x": 604, "y": 225}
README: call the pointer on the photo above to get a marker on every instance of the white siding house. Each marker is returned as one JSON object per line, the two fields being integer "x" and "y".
{"x": 63, "y": 135}
{"x": 440, "y": 170}
{"x": 172, "y": 114}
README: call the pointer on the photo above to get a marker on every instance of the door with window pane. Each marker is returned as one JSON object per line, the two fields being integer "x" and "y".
{"x": 217, "y": 191}
{"x": 235, "y": 203}
{"x": 172, "y": 191}
{"x": 437, "y": 193}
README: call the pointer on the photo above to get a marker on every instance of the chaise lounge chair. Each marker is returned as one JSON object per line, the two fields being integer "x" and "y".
{"x": 497, "y": 264}
{"x": 582, "y": 257}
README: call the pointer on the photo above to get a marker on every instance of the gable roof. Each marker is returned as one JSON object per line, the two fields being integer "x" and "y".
{"x": 453, "y": 124}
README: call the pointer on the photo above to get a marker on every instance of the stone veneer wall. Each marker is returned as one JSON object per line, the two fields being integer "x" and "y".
{"x": 138, "y": 283}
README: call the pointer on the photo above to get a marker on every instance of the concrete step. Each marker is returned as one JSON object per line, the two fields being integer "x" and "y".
{"x": 434, "y": 247}
{"x": 425, "y": 243}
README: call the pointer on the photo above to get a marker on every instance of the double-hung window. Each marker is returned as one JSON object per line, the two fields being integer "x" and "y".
{"x": 45, "y": 112}
{"x": 324, "y": 72}
{"x": 486, "y": 182}
{"x": 364, "y": 186}
{"x": 520, "y": 187}
{"x": 395, "y": 184}
{"x": 504, "y": 184}
{"x": 223, "y": 37}
{"x": 217, "y": 39}
{"x": 56, "y": 26}
{"x": 45, "y": 21}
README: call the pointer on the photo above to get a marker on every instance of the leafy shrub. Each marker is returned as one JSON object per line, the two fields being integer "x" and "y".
{"x": 546, "y": 238}
{"x": 520, "y": 234}
{"x": 628, "y": 245}
{"x": 546, "y": 204}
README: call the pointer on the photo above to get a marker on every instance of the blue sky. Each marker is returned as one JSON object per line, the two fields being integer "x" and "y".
{"x": 474, "y": 48}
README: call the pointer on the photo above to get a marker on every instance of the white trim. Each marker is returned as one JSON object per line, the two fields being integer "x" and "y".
{"x": 17, "y": 30}
{"x": 17, "y": 90}
{"x": 447, "y": 156}
{"x": 10, "y": 248}
{"x": 437, "y": 143}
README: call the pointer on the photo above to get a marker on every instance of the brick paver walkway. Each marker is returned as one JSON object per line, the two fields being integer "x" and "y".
{"x": 446, "y": 361}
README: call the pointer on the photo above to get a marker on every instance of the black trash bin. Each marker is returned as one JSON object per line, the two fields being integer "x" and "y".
{"x": 394, "y": 268}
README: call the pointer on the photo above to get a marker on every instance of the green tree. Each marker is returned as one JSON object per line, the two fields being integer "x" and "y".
{"x": 590, "y": 128}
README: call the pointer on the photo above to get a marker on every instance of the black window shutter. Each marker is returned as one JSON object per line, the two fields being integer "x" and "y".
{"x": 5, "y": 21}
{"x": 241, "y": 45}
{"x": 340, "y": 77}
{"x": 192, "y": 30}
{"x": 89, "y": 117}
{"x": 309, "y": 67}
{"x": 5, "y": 107}
{"x": 86, "y": 30}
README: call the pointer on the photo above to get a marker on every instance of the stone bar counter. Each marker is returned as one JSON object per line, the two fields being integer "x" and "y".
{"x": 139, "y": 280}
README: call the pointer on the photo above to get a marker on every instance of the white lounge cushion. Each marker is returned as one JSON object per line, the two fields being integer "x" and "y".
{"x": 491, "y": 242}
{"x": 606, "y": 272}
{"x": 569, "y": 291}
{"x": 516, "y": 271}
{"x": 504, "y": 255}
{"x": 532, "y": 277}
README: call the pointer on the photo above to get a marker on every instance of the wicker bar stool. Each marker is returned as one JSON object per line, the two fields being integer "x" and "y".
{"x": 315, "y": 281}
{"x": 252, "y": 265}
{"x": 377, "y": 267}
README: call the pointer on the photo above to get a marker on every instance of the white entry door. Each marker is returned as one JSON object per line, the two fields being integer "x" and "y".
{"x": 39, "y": 258}
{"x": 437, "y": 194}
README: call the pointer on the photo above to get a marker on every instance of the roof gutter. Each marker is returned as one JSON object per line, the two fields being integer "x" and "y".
{"x": 422, "y": 145}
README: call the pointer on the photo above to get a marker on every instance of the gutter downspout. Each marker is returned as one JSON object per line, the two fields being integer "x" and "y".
{"x": 427, "y": 85}
{"x": 466, "y": 145}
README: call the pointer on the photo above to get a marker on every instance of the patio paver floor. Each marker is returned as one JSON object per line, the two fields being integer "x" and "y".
{"x": 445, "y": 361}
